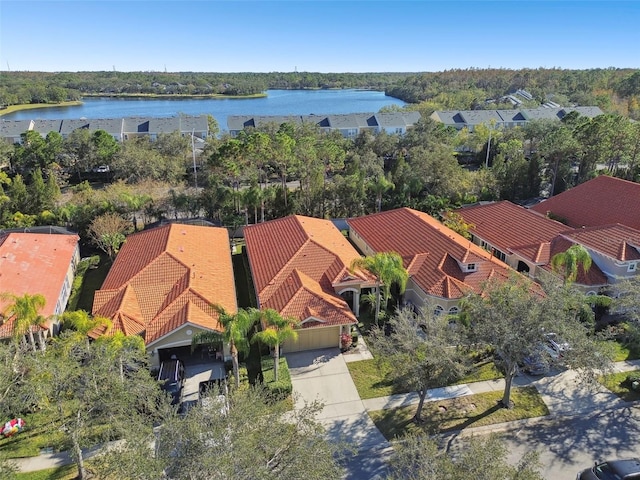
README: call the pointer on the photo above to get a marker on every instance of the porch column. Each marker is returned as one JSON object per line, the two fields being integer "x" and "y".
{"x": 356, "y": 303}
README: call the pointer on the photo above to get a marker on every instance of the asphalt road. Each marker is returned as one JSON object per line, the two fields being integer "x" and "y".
{"x": 569, "y": 444}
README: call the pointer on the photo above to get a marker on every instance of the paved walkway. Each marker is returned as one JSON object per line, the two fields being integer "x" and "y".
{"x": 323, "y": 375}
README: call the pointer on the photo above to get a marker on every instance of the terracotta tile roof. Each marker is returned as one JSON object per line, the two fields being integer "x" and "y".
{"x": 430, "y": 251}
{"x": 282, "y": 252}
{"x": 32, "y": 263}
{"x": 616, "y": 241}
{"x": 506, "y": 225}
{"x": 166, "y": 277}
{"x": 602, "y": 201}
{"x": 593, "y": 277}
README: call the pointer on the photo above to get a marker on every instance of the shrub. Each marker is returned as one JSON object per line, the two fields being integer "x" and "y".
{"x": 345, "y": 341}
{"x": 282, "y": 388}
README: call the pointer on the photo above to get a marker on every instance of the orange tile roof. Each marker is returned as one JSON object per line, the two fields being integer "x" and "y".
{"x": 166, "y": 277}
{"x": 593, "y": 277}
{"x": 602, "y": 201}
{"x": 32, "y": 263}
{"x": 430, "y": 251}
{"x": 615, "y": 241}
{"x": 299, "y": 257}
{"x": 506, "y": 225}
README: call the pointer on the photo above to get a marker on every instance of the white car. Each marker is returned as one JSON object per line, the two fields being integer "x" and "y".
{"x": 555, "y": 345}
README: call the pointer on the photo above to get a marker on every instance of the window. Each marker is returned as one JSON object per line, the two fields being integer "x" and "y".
{"x": 632, "y": 267}
{"x": 499, "y": 255}
{"x": 454, "y": 310}
{"x": 471, "y": 267}
{"x": 438, "y": 310}
{"x": 399, "y": 131}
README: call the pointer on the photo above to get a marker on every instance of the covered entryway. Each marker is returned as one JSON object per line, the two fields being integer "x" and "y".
{"x": 314, "y": 338}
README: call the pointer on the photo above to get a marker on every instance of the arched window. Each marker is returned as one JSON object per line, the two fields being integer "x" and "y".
{"x": 438, "y": 310}
{"x": 454, "y": 311}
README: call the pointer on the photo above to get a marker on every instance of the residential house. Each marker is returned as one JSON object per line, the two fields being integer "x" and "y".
{"x": 470, "y": 119}
{"x": 443, "y": 265}
{"x": 119, "y": 128}
{"x": 603, "y": 200}
{"x": 525, "y": 240}
{"x": 300, "y": 268}
{"x": 163, "y": 286}
{"x": 38, "y": 263}
{"x": 349, "y": 125}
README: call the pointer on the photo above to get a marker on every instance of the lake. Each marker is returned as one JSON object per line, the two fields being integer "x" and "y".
{"x": 277, "y": 102}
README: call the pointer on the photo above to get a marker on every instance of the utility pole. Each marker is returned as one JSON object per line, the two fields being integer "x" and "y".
{"x": 193, "y": 152}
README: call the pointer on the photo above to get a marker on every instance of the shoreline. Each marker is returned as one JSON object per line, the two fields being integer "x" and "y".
{"x": 34, "y": 106}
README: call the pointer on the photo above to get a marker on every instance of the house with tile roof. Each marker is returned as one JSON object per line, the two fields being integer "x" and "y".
{"x": 38, "y": 263}
{"x": 603, "y": 200}
{"x": 524, "y": 239}
{"x": 443, "y": 265}
{"x": 300, "y": 268}
{"x": 164, "y": 284}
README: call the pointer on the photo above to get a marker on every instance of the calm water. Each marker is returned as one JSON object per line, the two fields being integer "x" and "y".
{"x": 277, "y": 102}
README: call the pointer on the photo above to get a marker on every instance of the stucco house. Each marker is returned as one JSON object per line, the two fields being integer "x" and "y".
{"x": 300, "y": 268}
{"x": 442, "y": 265}
{"x": 603, "y": 200}
{"x": 163, "y": 285}
{"x": 525, "y": 240}
{"x": 38, "y": 263}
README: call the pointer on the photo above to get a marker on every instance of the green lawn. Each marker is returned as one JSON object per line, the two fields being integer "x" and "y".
{"x": 68, "y": 472}
{"x": 373, "y": 379}
{"x": 623, "y": 352}
{"x": 39, "y": 432}
{"x": 93, "y": 279}
{"x": 460, "y": 413}
{"x": 616, "y": 383}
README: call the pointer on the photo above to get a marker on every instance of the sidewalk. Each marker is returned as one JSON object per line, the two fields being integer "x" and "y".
{"x": 561, "y": 391}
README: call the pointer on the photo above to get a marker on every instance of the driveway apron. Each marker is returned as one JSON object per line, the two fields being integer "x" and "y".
{"x": 323, "y": 375}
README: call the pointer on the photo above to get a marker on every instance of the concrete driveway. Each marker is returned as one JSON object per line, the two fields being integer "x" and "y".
{"x": 323, "y": 375}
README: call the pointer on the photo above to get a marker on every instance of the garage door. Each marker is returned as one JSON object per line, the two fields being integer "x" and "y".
{"x": 314, "y": 338}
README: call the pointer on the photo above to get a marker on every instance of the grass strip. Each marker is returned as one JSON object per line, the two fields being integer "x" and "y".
{"x": 459, "y": 413}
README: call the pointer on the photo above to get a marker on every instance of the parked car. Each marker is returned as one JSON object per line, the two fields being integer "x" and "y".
{"x": 534, "y": 364}
{"x": 172, "y": 377}
{"x": 213, "y": 395}
{"x": 556, "y": 346}
{"x": 627, "y": 469}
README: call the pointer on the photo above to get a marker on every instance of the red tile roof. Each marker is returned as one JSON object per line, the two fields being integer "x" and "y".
{"x": 593, "y": 277}
{"x": 296, "y": 263}
{"x": 166, "y": 277}
{"x": 615, "y": 241}
{"x": 602, "y": 201}
{"x": 32, "y": 263}
{"x": 506, "y": 225}
{"x": 431, "y": 251}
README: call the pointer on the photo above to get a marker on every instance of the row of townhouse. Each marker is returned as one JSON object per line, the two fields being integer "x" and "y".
{"x": 120, "y": 128}
{"x": 470, "y": 119}
{"x": 349, "y": 125}
{"x": 165, "y": 280}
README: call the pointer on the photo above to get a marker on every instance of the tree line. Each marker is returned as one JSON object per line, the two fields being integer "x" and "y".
{"x": 44, "y": 87}
{"x": 281, "y": 169}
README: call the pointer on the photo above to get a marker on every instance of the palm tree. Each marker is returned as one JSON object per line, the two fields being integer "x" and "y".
{"x": 81, "y": 323}
{"x": 379, "y": 186}
{"x": 276, "y": 330}
{"x": 389, "y": 269}
{"x": 236, "y": 327}
{"x": 566, "y": 263}
{"x": 26, "y": 310}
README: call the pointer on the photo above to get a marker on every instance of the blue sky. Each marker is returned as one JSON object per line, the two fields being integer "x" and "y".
{"x": 316, "y": 35}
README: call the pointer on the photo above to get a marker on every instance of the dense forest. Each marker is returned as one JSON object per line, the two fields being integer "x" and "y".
{"x": 613, "y": 90}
